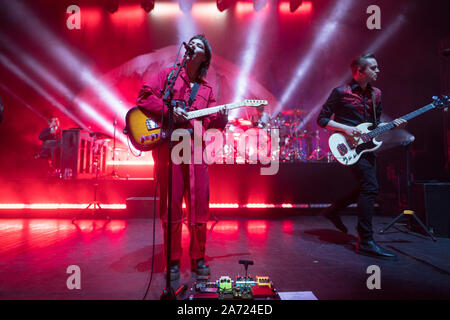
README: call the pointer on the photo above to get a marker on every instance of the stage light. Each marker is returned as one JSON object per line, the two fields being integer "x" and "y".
{"x": 259, "y": 4}
{"x": 148, "y": 5}
{"x": 112, "y": 5}
{"x": 55, "y": 206}
{"x": 304, "y": 8}
{"x": 185, "y": 5}
{"x": 223, "y": 5}
{"x": 294, "y": 4}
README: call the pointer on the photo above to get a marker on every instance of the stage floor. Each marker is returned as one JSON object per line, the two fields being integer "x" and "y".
{"x": 299, "y": 254}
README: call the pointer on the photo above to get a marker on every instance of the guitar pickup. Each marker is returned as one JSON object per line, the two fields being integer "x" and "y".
{"x": 151, "y": 137}
{"x": 150, "y": 124}
{"x": 342, "y": 149}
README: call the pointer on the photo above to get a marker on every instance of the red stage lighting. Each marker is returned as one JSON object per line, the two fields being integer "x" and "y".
{"x": 304, "y": 7}
{"x": 223, "y": 5}
{"x": 294, "y": 4}
{"x": 148, "y": 5}
{"x": 112, "y": 5}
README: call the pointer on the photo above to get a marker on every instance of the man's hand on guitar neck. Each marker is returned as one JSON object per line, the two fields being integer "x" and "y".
{"x": 400, "y": 123}
{"x": 180, "y": 115}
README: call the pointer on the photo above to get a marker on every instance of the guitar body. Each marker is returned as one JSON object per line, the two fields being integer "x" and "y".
{"x": 143, "y": 128}
{"x": 347, "y": 153}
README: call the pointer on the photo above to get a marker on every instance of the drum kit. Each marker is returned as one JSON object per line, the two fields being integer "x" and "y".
{"x": 297, "y": 142}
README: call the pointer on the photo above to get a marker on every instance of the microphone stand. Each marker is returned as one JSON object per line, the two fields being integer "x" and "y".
{"x": 114, "y": 174}
{"x": 168, "y": 293}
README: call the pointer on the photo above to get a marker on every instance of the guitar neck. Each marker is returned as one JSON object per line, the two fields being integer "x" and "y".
{"x": 407, "y": 117}
{"x": 208, "y": 111}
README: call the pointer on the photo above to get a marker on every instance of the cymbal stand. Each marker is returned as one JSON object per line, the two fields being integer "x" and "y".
{"x": 95, "y": 165}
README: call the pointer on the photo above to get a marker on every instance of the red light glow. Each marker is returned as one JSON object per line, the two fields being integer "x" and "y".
{"x": 257, "y": 227}
{"x": 53, "y": 206}
{"x": 305, "y": 8}
{"x": 226, "y": 227}
{"x": 91, "y": 17}
{"x": 129, "y": 15}
{"x": 259, "y": 205}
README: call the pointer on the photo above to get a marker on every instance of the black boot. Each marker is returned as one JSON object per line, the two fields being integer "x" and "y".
{"x": 174, "y": 270}
{"x": 200, "y": 266}
{"x": 371, "y": 249}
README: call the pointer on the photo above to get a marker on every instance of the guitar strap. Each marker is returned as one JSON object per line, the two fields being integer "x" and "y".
{"x": 374, "y": 109}
{"x": 193, "y": 93}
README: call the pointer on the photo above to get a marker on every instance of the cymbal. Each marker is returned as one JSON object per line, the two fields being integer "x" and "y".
{"x": 294, "y": 112}
{"x": 240, "y": 122}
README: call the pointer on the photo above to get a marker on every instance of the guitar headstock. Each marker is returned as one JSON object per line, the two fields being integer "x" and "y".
{"x": 254, "y": 103}
{"x": 441, "y": 102}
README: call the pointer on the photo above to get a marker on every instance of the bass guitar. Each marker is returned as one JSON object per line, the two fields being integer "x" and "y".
{"x": 347, "y": 150}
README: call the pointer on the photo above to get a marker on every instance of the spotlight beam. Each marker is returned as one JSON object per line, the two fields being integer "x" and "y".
{"x": 328, "y": 29}
{"x": 248, "y": 58}
{"x": 64, "y": 56}
{"x": 19, "y": 73}
{"x": 57, "y": 84}
{"x": 12, "y": 94}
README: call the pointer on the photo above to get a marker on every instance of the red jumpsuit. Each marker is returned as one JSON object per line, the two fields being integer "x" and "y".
{"x": 189, "y": 180}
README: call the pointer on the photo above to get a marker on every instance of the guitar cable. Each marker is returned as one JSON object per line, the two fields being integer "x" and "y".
{"x": 156, "y": 184}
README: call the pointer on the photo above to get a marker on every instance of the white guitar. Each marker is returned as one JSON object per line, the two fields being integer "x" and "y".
{"x": 348, "y": 152}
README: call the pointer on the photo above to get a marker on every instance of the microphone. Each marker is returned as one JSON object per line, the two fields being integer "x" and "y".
{"x": 188, "y": 48}
{"x": 446, "y": 52}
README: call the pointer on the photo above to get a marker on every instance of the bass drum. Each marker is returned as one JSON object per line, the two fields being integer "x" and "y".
{"x": 254, "y": 145}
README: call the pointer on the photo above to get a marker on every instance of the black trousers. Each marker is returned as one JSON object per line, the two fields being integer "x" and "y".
{"x": 365, "y": 171}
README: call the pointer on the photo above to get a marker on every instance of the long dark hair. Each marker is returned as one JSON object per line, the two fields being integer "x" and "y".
{"x": 208, "y": 52}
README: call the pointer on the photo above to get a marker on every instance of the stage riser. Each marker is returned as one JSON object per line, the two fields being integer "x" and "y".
{"x": 294, "y": 183}
{"x": 241, "y": 184}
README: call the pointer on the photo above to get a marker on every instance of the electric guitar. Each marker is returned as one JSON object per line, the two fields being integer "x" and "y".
{"x": 347, "y": 150}
{"x": 144, "y": 128}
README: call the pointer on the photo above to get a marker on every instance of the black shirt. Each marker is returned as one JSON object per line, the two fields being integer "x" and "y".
{"x": 351, "y": 105}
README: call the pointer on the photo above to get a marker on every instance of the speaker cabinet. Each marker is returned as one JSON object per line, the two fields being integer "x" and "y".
{"x": 431, "y": 202}
{"x": 82, "y": 155}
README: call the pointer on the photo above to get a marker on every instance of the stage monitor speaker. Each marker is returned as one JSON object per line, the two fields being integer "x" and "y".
{"x": 142, "y": 207}
{"x": 431, "y": 203}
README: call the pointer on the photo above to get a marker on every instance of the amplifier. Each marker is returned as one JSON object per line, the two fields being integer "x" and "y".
{"x": 431, "y": 202}
{"x": 82, "y": 155}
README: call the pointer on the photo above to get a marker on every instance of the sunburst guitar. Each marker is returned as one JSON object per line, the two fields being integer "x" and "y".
{"x": 144, "y": 128}
{"x": 348, "y": 152}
